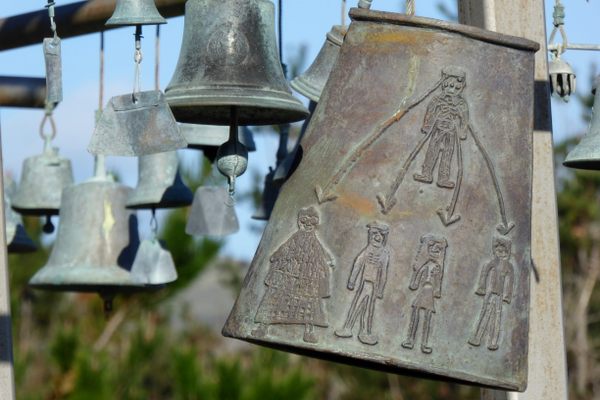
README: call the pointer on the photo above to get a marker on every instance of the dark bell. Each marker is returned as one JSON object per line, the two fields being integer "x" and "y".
{"x": 269, "y": 196}
{"x": 135, "y": 12}
{"x": 312, "y": 82}
{"x": 17, "y": 239}
{"x": 229, "y": 59}
{"x": 159, "y": 184}
{"x": 586, "y": 155}
{"x": 562, "y": 78}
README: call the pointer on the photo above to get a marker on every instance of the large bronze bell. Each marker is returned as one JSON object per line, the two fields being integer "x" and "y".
{"x": 96, "y": 243}
{"x": 229, "y": 58}
{"x": 159, "y": 184}
{"x": 312, "y": 82}
{"x": 17, "y": 240}
{"x": 402, "y": 240}
{"x": 135, "y": 12}
{"x": 43, "y": 178}
{"x": 212, "y": 213}
{"x": 586, "y": 155}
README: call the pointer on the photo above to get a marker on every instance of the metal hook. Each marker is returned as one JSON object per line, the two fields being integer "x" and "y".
{"x": 50, "y": 136}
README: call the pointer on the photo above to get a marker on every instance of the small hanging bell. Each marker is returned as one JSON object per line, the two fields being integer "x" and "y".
{"x": 212, "y": 213}
{"x": 153, "y": 264}
{"x": 96, "y": 242}
{"x": 135, "y": 12}
{"x": 43, "y": 179}
{"x": 17, "y": 239}
{"x": 562, "y": 78}
{"x": 135, "y": 125}
{"x": 229, "y": 58}
{"x": 586, "y": 155}
{"x": 312, "y": 82}
{"x": 159, "y": 184}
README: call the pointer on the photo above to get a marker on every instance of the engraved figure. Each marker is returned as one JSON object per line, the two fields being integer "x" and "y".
{"x": 370, "y": 270}
{"x": 297, "y": 281}
{"x": 426, "y": 279}
{"x": 496, "y": 284}
{"x": 446, "y": 120}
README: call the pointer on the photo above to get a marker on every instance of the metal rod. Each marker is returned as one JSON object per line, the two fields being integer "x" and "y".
{"x": 576, "y": 46}
{"x": 22, "y": 92}
{"x": 74, "y": 19}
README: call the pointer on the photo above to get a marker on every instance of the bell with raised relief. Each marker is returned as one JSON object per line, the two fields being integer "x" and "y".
{"x": 402, "y": 241}
{"x": 159, "y": 183}
{"x": 312, "y": 82}
{"x": 229, "y": 59}
{"x": 586, "y": 155}
{"x": 212, "y": 213}
{"x": 135, "y": 12}
{"x": 96, "y": 243}
{"x": 17, "y": 240}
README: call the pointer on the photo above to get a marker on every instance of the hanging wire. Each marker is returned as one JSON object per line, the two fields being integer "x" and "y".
{"x": 410, "y": 7}
{"x": 99, "y": 160}
{"x": 137, "y": 58}
{"x": 157, "y": 59}
{"x": 343, "y": 7}
{"x": 280, "y": 30}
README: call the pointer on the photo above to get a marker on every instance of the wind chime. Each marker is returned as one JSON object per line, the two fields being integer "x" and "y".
{"x": 97, "y": 247}
{"x": 44, "y": 176}
{"x": 229, "y": 73}
{"x": 139, "y": 123}
{"x": 402, "y": 240}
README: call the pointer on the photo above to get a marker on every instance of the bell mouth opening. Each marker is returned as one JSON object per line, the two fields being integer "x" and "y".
{"x": 159, "y": 205}
{"x": 96, "y": 288}
{"x": 39, "y": 212}
{"x": 217, "y": 114}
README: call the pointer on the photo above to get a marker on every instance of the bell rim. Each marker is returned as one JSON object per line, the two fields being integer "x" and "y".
{"x": 149, "y": 205}
{"x": 301, "y": 85}
{"x": 25, "y": 209}
{"x": 117, "y": 21}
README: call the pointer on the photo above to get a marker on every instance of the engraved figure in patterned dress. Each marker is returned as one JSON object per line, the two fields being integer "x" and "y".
{"x": 496, "y": 284}
{"x": 426, "y": 279}
{"x": 370, "y": 270}
{"x": 297, "y": 281}
{"x": 446, "y": 120}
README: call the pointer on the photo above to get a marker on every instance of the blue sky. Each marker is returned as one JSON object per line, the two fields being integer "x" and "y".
{"x": 305, "y": 23}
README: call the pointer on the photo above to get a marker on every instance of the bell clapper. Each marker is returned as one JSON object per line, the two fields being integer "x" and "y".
{"x": 48, "y": 226}
{"x": 107, "y": 298}
{"x": 154, "y": 225}
{"x": 232, "y": 156}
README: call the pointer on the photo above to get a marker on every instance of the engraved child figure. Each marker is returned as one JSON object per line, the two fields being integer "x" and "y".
{"x": 496, "y": 284}
{"x": 446, "y": 120}
{"x": 299, "y": 278}
{"x": 428, "y": 271}
{"x": 370, "y": 270}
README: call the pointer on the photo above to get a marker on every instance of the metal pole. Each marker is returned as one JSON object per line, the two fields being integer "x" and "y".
{"x": 72, "y": 20}
{"x": 22, "y": 92}
{"x": 7, "y": 381}
{"x": 547, "y": 359}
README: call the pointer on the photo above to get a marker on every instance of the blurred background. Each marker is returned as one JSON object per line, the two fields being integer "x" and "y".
{"x": 167, "y": 345}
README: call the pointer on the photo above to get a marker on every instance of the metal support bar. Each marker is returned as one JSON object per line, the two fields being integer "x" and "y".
{"x": 576, "y": 46}
{"x": 22, "y": 92}
{"x": 547, "y": 370}
{"x": 72, "y": 20}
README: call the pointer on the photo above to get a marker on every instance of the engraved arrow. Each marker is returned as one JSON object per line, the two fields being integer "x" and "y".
{"x": 447, "y": 215}
{"x": 327, "y": 193}
{"x": 388, "y": 201}
{"x": 505, "y": 227}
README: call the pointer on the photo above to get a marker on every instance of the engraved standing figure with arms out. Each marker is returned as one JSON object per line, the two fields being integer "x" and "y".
{"x": 370, "y": 270}
{"x": 297, "y": 281}
{"x": 446, "y": 121}
{"x": 496, "y": 284}
{"x": 426, "y": 280}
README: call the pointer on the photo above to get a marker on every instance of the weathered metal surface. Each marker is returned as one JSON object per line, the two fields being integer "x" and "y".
{"x": 562, "y": 78}
{"x": 96, "y": 242}
{"x": 312, "y": 82}
{"x": 232, "y": 158}
{"x": 135, "y": 12}
{"x": 17, "y": 240}
{"x": 212, "y": 213}
{"x": 371, "y": 259}
{"x": 153, "y": 264}
{"x": 586, "y": 155}
{"x": 159, "y": 183}
{"x": 74, "y": 19}
{"x": 53, "y": 60}
{"x": 229, "y": 58}
{"x": 136, "y": 125}
{"x": 43, "y": 177}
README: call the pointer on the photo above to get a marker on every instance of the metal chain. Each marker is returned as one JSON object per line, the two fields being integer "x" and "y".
{"x": 410, "y": 7}
{"x": 50, "y": 7}
{"x": 48, "y": 119}
{"x": 558, "y": 21}
{"x": 137, "y": 58}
